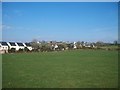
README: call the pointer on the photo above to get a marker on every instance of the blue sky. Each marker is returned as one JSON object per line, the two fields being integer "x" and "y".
{"x": 61, "y": 21}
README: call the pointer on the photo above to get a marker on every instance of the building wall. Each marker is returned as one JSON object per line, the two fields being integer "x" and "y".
{"x": 16, "y": 47}
{"x": 29, "y": 47}
{"x": 3, "y": 49}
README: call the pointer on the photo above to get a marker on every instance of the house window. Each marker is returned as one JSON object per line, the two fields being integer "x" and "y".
{"x": 12, "y": 43}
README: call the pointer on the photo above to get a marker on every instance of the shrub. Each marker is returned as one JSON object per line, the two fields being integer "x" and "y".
{"x": 26, "y": 49}
{"x": 20, "y": 50}
{"x": 12, "y": 50}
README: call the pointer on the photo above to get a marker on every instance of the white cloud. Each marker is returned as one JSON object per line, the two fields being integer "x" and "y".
{"x": 11, "y": 27}
{"x": 5, "y": 27}
{"x": 0, "y": 26}
{"x": 18, "y": 12}
{"x": 6, "y": 15}
{"x": 108, "y": 29}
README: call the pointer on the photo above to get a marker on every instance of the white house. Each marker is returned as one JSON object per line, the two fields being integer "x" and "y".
{"x": 13, "y": 45}
{"x": 20, "y": 45}
{"x": 74, "y": 45}
{"x": 3, "y": 47}
{"x": 55, "y": 47}
{"x": 28, "y": 46}
{"x": 87, "y": 46}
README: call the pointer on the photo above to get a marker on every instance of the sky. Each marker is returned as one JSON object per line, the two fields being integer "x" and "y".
{"x": 60, "y": 21}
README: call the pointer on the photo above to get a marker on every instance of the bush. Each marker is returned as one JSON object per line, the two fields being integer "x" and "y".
{"x": 12, "y": 50}
{"x": 26, "y": 49}
{"x": 20, "y": 50}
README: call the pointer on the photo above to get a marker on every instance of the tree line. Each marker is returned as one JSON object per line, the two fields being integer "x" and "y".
{"x": 44, "y": 46}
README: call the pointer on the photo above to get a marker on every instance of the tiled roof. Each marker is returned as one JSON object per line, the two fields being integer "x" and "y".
{"x": 27, "y": 44}
{"x": 12, "y": 43}
{"x": 20, "y": 44}
{"x": 4, "y": 43}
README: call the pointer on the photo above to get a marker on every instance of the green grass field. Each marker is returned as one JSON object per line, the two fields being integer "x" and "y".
{"x": 65, "y": 69}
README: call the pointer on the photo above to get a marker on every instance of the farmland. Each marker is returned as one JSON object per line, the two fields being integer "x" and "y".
{"x": 63, "y": 69}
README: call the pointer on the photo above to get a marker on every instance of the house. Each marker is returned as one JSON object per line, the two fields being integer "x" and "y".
{"x": 28, "y": 46}
{"x": 93, "y": 46}
{"x": 55, "y": 47}
{"x": 3, "y": 47}
{"x": 13, "y": 45}
{"x": 74, "y": 45}
{"x": 20, "y": 45}
{"x": 90, "y": 45}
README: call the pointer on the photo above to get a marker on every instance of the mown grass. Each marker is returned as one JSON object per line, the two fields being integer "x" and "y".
{"x": 66, "y": 69}
{"x": 111, "y": 47}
